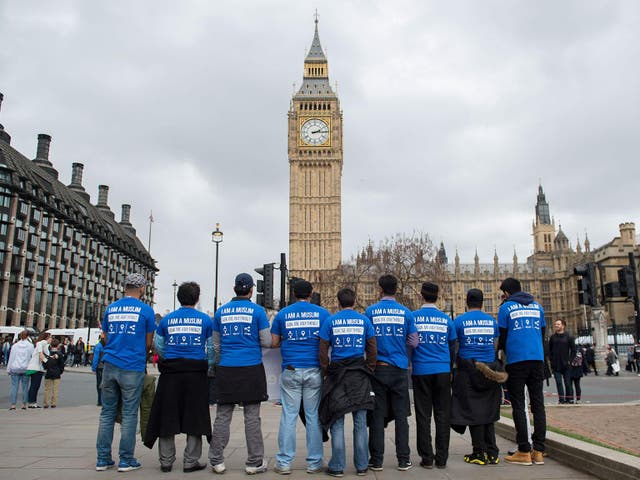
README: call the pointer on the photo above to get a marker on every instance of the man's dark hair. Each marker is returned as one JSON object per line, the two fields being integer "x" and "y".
{"x": 242, "y": 291}
{"x": 563, "y": 321}
{"x": 388, "y": 284}
{"x": 189, "y": 293}
{"x": 54, "y": 343}
{"x": 346, "y": 298}
{"x": 510, "y": 285}
{"x": 429, "y": 292}
{"x": 475, "y": 298}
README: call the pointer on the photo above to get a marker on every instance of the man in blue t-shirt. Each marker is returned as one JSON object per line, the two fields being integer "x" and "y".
{"x": 431, "y": 376}
{"x": 395, "y": 328}
{"x": 295, "y": 329}
{"x": 240, "y": 328}
{"x": 128, "y": 327}
{"x": 522, "y": 331}
{"x": 476, "y": 399}
{"x": 347, "y": 386}
{"x": 184, "y": 344}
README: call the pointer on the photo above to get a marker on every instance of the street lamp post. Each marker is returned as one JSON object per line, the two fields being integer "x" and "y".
{"x": 216, "y": 237}
{"x": 175, "y": 285}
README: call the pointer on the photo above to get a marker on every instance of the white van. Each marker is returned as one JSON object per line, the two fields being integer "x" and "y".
{"x": 12, "y": 332}
{"x": 75, "y": 333}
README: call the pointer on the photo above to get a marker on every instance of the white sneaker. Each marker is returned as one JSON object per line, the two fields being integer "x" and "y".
{"x": 219, "y": 468}
{"x": 259, "y": 469}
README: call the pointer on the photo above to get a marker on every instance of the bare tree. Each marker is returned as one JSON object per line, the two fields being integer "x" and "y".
{"x": 412, "y": 259}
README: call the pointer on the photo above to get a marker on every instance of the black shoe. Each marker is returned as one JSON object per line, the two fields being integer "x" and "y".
{"x": 427, "y": 465}
{"x": 195, "y": 468}
{"x": 404, "y": 466}
{"x": 166, "y": 468}
{"x": 476, "y": 458}
{"x": 362, "y": 472}
{"x": 441, "y": 465}
{"x": 493, "y": 459}
{"x": 375, "y": 468}
{"x": 335, "y": 473}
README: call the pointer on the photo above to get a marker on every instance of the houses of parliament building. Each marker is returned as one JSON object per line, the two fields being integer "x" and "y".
{"x": 316, "y": 157}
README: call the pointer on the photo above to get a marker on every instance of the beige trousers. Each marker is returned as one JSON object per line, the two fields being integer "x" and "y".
{"x": 51, "y": 391}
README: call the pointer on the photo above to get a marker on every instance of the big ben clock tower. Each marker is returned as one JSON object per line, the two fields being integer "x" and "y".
{"x": 315, "y": 159}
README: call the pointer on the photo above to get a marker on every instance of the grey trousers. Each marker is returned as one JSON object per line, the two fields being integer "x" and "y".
{"x": 252, "y": 433}
{"x": 192, "y": 450}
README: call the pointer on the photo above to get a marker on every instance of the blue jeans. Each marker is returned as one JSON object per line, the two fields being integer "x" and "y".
{"x": 360, "y": 442}
{"x": 296, "y": 386}
{"x": 564, "y": 394}
{"x": 125, "y": 385}
{"x": 17, "y": 379}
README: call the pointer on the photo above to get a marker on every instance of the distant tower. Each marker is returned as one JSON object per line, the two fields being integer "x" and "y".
{"x": 543, "y": 226}
{"x": 315, "y": 161}
{"x": 442, "y": 255}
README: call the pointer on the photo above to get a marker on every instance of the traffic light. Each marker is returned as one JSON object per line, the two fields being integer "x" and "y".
{"x": 587, "y": 284}
{"x": 264, "y": 287}
{"x": 625, "y": 279}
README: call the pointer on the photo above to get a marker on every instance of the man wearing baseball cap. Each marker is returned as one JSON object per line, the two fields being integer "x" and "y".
{"x": 240, "y": 328}
{"x": 127, "y": 326}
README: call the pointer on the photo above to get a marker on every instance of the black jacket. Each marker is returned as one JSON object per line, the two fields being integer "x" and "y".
{"x": 346, "y": 388}
{"x": 54, "y": 365}
{"x": 562, "y": 350}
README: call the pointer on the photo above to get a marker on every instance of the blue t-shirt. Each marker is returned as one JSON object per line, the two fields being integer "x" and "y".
{"x": 185, "y": 332}
{"x": 392, "y": 323}
{"x": 299, "y": 325}
{"x": 127, "y": 323}
{"x": 524, "y": 325}
{"x": 347, "y": 331}
{"x": 239, "y": 323}
{"x": 476, "y": 332}
{"x": 435, "y": 331}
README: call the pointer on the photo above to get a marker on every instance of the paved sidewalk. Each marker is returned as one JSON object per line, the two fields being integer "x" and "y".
{"x": 60, "y": 444}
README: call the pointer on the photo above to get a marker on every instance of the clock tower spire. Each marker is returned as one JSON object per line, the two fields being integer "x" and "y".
{"x": 315, "y": 172}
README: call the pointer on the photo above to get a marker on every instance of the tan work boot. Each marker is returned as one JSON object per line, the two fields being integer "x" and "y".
{"x": 537, "y": 457}
{"x": 519, "y": 458}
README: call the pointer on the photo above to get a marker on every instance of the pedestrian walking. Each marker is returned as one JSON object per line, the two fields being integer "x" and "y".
{"x": 128, "y": 325}
{"x": 611, "y": 359}
{"x": 54, "y": 367}
{"x": 78, "y": 352}
{"x": 590, "y": 357}
{"x": 576, "y": 373}
{"x": 35, "y": 370}
{"x": 631, "y": 361}
{"x": 562, "y": 350}
{"x": 19, "y": 358}
{"x": 296, "y": 331}
{"x": 97, "y": 367}
{"x": 6, "y": 347}
{"x": 240, "y": 328}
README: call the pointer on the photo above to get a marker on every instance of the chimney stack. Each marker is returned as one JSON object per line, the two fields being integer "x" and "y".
{"x": 4, "y": 136}
{"x": 44, "y": 142}
{"x": 103, "y": 196}
{"x": 126, "y": 215}
{"x": 76, "y": 181}
{"x": 76, "y": 174}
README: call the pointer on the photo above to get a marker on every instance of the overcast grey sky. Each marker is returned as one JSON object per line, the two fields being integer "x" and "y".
{"x": 453, "y": 111}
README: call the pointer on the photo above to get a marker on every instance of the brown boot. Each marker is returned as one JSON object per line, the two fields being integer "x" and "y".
{"x": 537, "y": 457}
{"x": 519, "y": 458}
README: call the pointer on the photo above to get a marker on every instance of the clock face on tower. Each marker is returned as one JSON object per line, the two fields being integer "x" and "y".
{"x": 314, "y": 132}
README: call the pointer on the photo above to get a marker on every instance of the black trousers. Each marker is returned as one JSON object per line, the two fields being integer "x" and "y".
{"x": 432, "y": 394}
{"x": 99, "y": 384}
{"x": 391, "y": 389}
{"x": 34, "y": 386}
{"x": 483, "y": 439}
{"x": 529, "y": 374}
